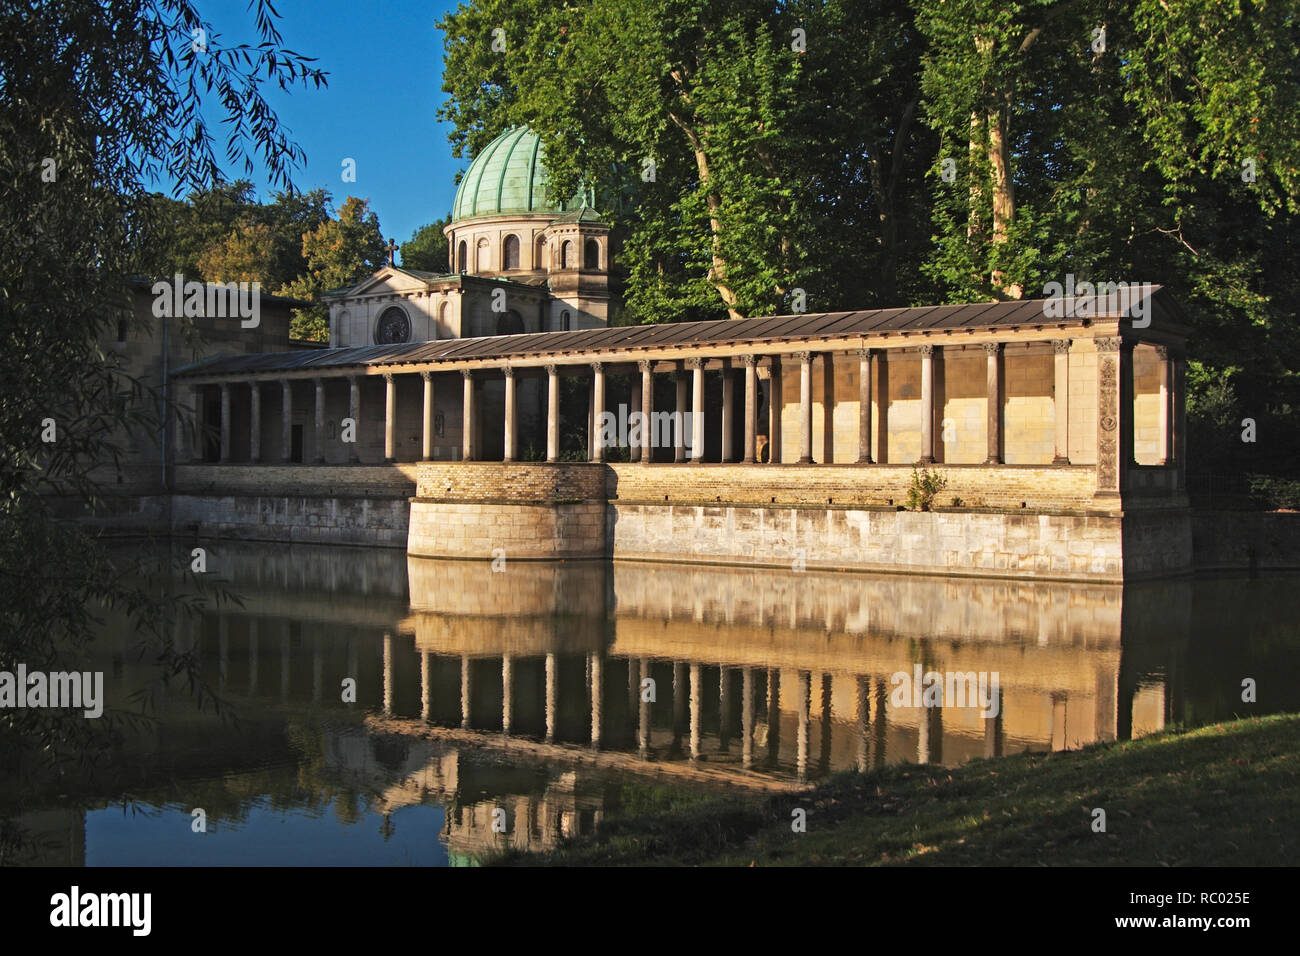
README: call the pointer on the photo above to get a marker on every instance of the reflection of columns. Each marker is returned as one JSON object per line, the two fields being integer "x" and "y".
{"x": 747, "y": 718}
{"x": 805, "y": 693}
{"x": 679, "y": 435}
{"x": 773, "y": 715}
{"x": 679, "y": 697}
{"x": 993, "y": 730}
{"x": 225, "y": 422}
{"x": 552, "y": 413}
{"x": 647, "y": 411}
{"x": 880, "y": 727}
{"x": 223, "y": 651}
{"x": 317, "y": 669}
{"x": 751, "y": 407}
{"x": 467, "y": 416}
{"x": 597, "y": 692}
{"x": 728, "y": 412}
{"x": 512, "y": 425}
{"x": 426, "y": 418}
{"x": 550, "y": 697}
{"x": 863, "y": 727}
{"x": 464, "y": 691}
{"x": 354, "y": 412}
{"x": 864, "y": 407}
{"x": 388, "y": 673}
{"x": 284, "y": 661}
{"x": 724, "y": 707}
{"x": 1061, "y": 402}
{"x": 320, "y": 421}
{"x": 252, "y": 657}
{"x": 697, "y": 409}
{"x": 993, "y": 402}
{"x": 695, "y": 711}
{"x": 927, "y": 404}
{"x": 507, "y": 692}
{"x": 390, "y": 418}
{"x": 255, "y": 422}
{"x": 643, "y": 716}
{"x": 286, "y": 420}
{"x": 774, "y": 404}
{"x": 597, "y": 407}
{"x": 824, "y": 758}
{"x": 805, "y": 407}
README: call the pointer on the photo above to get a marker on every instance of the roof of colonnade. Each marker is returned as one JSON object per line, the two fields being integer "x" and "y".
{"x": 886, "y": 328}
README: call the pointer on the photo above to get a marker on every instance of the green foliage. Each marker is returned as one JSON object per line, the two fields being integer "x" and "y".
{"x": 426, "y": 250}
{"x": 1275, "y": 493}
{"x": 925, "y": 487}
{"x": 110, "y": 94}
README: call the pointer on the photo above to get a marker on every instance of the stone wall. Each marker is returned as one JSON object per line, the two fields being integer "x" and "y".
{"x": 310, "y": 480}
{"x": 1064, "y": 487}
{"x": 317, "y": 519}
{"x": 1245, "y": 540}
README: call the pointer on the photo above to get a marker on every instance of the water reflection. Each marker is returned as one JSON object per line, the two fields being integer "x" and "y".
{"x": 514, "y": 709}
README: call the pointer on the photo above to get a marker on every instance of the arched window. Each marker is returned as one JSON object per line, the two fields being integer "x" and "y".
{"x": 462, "y": 260}
{"x": 564, "y": 321}
{"x": 481, "y": 257}
{"x": 539, "y": 253}
{"x": 510, "y": 253}
{"x": 566, "y": 256}
{"x": 591, "y": 255}
{"x": 442, "y": 328}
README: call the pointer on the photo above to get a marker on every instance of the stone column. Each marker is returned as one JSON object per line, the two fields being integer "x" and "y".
{"x": 467, "y": 416}
{"x": 864, "y": 407}
{"x": 643, "y": 713}
{"x": 679, "y": 435}
{"x": 426, "y": 418}
{"x": 927, "y": 404}
{"x": 697, "y": 409}
{"x": 751, "y": 407}
{"x": 774, "y": 391}
{"x": 728, "y": 413}
{"x": 512, "y": 424}
{"x": 255, "y": 422}
{"x": 1114, "y": 414}
{"x": 1061, "y": 403}
{"x": 320, "y": 421}
{"x": 390, "y": 418}
{"x": 647, "y": 411}
{"x": 186, "y": 421}
{"x": 225, "y": 422}
{"x": 354, "y": 412}
{"x": 286, "y": 420}
{"x": 1166, "y": 404}
{"x": 1178, "y": 398}
{"x": 747, "y": 718}
{"x": 635, "y": 436}
{"x": 805, "y": 407}
{"x": 597, "y": 406}
{"x": 552, "y": 413}
{"x": 801, "y": 744}
{"x": 993, "y": 402}
{"x": 695, "y": 704}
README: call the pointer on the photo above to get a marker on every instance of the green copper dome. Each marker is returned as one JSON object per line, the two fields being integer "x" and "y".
{"x": 507, "y": 178}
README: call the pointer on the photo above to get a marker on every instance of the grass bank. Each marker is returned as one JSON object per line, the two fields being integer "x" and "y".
{"x": 1222, "y": 795}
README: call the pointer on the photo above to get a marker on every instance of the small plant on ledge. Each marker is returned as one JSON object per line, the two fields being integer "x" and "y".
{"x": 926, "y": 484}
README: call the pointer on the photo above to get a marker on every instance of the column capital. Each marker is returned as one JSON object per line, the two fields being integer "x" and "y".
{"x": 694, "y": 363}
{"x": 864, "y": 354}
{"x": 320, "y": 383}
{"x": 1061, "y": 346}
{"x": 388, "y": 377}
{"x": 749, "y": 361}
{"x": 425, "y": 374}
{"x": 1163, "y": 352}
{"x": 552, "y": 370}
{"x": 804, "y": 357}
{"x": 286, "y": 383}
{"x": 643, "y": 365}
{"x": 928, "y": 350}
{"x": 990, "y": 348}
{"x": 1111, "y": 343}
{"x": 597, "y": 367}
{"x": 508, "y": 371}
{"x": 467, "y": 374}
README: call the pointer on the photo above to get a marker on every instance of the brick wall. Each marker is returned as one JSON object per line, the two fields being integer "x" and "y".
{"x": 524, "y": 482}
{"x": 310, "y": 480}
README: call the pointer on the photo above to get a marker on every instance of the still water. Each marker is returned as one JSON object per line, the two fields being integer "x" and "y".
{"x": 545, "y": 699}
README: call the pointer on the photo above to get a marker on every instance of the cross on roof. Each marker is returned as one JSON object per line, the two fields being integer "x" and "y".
{"x": 392, "y": 252}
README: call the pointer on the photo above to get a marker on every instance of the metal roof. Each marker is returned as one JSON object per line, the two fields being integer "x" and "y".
{"x": 728, "y": 332}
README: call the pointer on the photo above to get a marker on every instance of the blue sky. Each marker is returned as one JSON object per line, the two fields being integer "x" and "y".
{"x": 384, "y": 61}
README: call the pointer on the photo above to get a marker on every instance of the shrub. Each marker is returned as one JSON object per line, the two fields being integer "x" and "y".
{"x": 926, "y": 485}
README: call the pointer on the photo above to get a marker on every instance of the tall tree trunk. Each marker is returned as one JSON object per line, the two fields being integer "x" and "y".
{"x": 1004, "y": 198}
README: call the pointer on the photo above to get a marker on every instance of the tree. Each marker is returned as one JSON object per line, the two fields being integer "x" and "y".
{"x": 340, "y": 253}
{"x": 98, "y": 98}
{"x": 426, "y": 250}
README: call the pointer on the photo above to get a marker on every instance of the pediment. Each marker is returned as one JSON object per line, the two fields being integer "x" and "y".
{"x": 387, "y": 281}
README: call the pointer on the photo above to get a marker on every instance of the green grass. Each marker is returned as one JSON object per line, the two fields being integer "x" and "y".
{"x": 1221, "y": 795}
